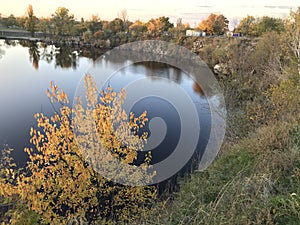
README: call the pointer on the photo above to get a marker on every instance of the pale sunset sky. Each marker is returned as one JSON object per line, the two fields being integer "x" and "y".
{"x": 191, "y": 11}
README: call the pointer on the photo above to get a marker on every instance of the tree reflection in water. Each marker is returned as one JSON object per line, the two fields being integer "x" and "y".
{"x": 65, "y": 57}
{"x": 197, "y": 88}
{"x": 158, "y": 69}
{"x": 48, "y": 53}
{"x": 34, "y": 53}
{"x": 2, "y": 52}
{"x": 8, "y": 42}
{"x": 91, "y": 53}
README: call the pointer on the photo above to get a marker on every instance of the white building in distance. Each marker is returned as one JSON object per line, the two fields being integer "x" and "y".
{"x": 193, "y": 33}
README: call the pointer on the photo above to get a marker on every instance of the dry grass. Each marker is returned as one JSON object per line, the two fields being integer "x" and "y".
{"x": 256, "y": 182}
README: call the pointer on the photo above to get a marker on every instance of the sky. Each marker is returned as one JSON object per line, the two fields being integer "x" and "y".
{"x": 191, "y": 11}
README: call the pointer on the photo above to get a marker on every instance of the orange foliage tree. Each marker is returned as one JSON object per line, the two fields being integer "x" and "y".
{"x": 215, "y": 24}
{"x": 61, "y": 182}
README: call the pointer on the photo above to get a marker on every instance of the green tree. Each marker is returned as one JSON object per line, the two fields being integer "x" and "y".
{"x": 268, "y": 24}
{"x": 11, "y": 21}
{"x": 116, "y": 25}
{"x": 137, "y": 30}
{"x": 80, "y": 27}
{"x": 43, "y": 25}
{"x": 247, "y": 26}
{"x": 31, "y": 19}
{"x": 250, "y": 26}
{"x": 177, "y": 34}
{"x": 21, "y": 22}
{"x": 94, "y": 24}
{"x": 63, "y": 21}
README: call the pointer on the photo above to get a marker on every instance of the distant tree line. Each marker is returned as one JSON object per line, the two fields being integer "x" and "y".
{"x": 120, "y": 30}
{"x": 251, "y": 26}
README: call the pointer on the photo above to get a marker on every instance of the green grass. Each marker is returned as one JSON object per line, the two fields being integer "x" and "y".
{"x": 256, "y": 181}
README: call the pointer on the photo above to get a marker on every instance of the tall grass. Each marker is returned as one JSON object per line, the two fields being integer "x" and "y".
{"x": 257, "y": 181}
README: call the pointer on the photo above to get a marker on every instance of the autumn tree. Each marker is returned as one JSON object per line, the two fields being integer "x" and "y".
{"x": 215, "y": 24}
{"x": 158, "y": 27}
{"x": 63, "y": 182}
{"x": 31, "y": 19}
{"x": 7, "y": 173}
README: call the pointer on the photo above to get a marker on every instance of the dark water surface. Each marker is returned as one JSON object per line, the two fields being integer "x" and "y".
{"x": 26, "y": 69}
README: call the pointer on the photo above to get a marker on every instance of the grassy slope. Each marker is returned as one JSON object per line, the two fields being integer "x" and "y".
{"x": 256, "y": 181}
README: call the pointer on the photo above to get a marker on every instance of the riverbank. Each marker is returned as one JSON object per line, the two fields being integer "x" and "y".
{"x": 22, "y": 38}
{"x": 255, "y": 181}
{"x": 22, "y": 35}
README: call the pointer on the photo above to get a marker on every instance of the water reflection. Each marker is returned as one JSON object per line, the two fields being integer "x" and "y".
{"x": 65, "y": 58}
{"x": 26, "y": 71}
{"x": 2, "y": 52}
{"x": 33, "y": 50}
{"x": 26, "y": 92}
{"x": 198, "y": 89}
{"x": 91, "y": 53}
{"x": 13, "y": 43}
{"x": 150, "y": 87}
{"x": 34, "y": 55}
{"x": 47, "y": 53}
{"x": 163, "y": 70}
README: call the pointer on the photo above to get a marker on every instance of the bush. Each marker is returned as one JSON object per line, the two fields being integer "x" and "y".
{"x": 60, "y": 184}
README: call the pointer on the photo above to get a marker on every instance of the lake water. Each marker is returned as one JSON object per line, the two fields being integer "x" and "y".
{"x": 26, "y": 70}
